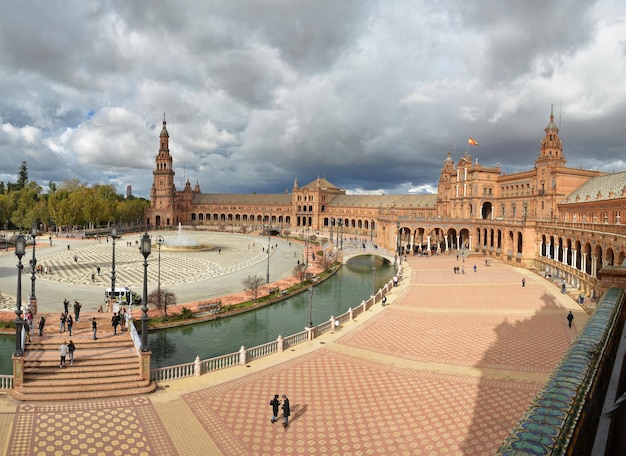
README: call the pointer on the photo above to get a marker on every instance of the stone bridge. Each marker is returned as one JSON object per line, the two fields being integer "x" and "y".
{"x": 353, "y": 249}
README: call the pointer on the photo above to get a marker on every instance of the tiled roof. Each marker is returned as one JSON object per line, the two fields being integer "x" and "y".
{"x": 385, "y": 201}
{"x": 281, "y": 199}
{"x": 321, "y": 182}
{"x": 285, "y": 199}
{"x": 598, "y": 189}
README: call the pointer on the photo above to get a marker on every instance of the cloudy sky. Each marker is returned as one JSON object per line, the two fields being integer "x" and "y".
{"x": 369, "y": 94}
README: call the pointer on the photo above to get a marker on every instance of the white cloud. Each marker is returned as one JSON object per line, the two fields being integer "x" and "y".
{"x": 256, "y": 94}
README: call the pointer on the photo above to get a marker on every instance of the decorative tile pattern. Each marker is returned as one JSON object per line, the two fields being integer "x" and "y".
{"x": 106, "y": 427}
{"x": 344, "y": 405}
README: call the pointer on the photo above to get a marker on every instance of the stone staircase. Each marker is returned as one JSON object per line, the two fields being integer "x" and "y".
{"x": 106, "y": 367}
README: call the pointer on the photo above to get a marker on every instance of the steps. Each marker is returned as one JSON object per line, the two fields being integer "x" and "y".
{"x": 103, "y": 368}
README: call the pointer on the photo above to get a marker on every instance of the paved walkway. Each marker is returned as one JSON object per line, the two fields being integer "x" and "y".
{"x": 446, "y": 369}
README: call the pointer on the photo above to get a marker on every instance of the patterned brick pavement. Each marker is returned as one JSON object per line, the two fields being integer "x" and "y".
{"x": 108, "y": 427}
{"x": 447, "y": 368}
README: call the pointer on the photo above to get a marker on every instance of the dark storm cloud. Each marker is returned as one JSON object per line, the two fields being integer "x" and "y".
{"x": 369, "y": 94}
{"x": 522, "y": 36}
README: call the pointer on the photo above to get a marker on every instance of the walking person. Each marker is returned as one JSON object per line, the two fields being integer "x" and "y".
{"x": 570, "y": 318}
{"x": 26, "y": 329}
{"x": 66, "y": 305}
{"x": 71, "y": 348}
{"x": 70, "y": 322}
{"x": 63, "y": 350}
{"x": 286, "y": 411}
{"x": 274, "y": 403}
{"x": 62, "y": 320}
{"x": 123, "y": 319}
{"x": 42, "y": 323}
{"x": 523, "y": 283}
{"x": 77, "y": 306}
{"x": 94, "y": 328}
{"x": 115, "y": 321}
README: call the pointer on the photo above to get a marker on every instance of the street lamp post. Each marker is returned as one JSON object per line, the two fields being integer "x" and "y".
{"x": 145, "y": 251}
{"x": 332, "y": 222}
{"x": 395, "y": 257}
{"x": 269, "y": 241}
{"x": 33, "y": 264}
{"x": 306, "y": 245}
{"x": 20, "y": 250}
{"x": 371, "y": 231}
{"x": 311, "y": 307}
{"x": 374, "y": 281}
{"x": 399, "y": 239}
{"x": 341, "y": 227}
{"x": 160, "y": 241}
{"x": 112, "y": 297}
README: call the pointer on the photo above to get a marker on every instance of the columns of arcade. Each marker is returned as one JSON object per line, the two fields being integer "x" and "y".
{"x": 577, "y": 260}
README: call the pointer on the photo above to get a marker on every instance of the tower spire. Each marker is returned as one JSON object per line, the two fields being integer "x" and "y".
{"x": 551, "y": 151}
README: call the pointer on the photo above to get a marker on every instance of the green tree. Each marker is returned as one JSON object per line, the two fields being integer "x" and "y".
{"x": 22, "y": 178}
{"x": 24, "y": 205}
{"x": 132, "y": 210}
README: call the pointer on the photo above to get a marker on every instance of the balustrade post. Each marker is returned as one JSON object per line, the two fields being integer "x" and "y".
{"x": 332, "y": 322}
{"x": 363, "y": 305}
{"x": 18, "y": 371}
{"x": 351, "y": 313}
{"x": 280, "y": 344}
{"x": 197, "y": 367}
{"x": 242, "y": 355}
{"x": 310, "y": 334}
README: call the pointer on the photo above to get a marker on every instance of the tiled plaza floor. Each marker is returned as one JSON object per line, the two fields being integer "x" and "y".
{"x": 447, "y": 368}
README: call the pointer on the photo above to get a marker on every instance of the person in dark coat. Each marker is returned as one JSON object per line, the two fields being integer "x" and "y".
{"x": 286, "y": 411}
{"x": 42, "y": 323}
{"x": 115, "y": 321}
{"x": 570, "y": 318}
{"x": 275, "y": 403}
{"x": 77, "y": 306}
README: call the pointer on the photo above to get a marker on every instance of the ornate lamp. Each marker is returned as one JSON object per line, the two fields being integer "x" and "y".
{"x": 20, "y": 251}
{"x": 145, "y": 248}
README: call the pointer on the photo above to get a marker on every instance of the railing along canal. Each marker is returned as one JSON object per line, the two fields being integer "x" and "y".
{"x": 245, "y": 355}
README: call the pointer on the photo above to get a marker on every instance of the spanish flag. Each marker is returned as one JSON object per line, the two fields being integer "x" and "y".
{"x": 472, "y": 141}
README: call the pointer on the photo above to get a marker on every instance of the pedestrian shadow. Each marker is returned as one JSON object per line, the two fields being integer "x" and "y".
{"x": 298, "y": 410}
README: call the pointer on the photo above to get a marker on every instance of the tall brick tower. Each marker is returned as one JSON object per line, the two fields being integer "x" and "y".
{"x": 163, "y": 192}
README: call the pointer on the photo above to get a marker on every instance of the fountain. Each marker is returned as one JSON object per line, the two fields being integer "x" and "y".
{"x": 184, "y": 242}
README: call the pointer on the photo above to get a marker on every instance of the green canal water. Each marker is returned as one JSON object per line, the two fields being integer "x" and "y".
{"x": 352, "y": 284}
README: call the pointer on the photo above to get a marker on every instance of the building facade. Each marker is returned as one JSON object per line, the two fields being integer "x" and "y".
{"x": 559, "y": 220}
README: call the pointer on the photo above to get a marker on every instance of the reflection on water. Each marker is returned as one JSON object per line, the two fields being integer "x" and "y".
{"x": 7, "y": 347}
{"x": 348, "y": 288}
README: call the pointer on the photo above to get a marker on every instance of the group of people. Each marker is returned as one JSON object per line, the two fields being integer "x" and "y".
{"x": 275, "y": 403}
{"x": 119, "y": 319}
{"x": 66, "y": 310}
{"x": 67, "y": 349}
{"x": 27, "y": 327}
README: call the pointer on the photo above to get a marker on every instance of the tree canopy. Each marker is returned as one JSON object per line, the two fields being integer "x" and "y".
{"x": 69, "y": 203}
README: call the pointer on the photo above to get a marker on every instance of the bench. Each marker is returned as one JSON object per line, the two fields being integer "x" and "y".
{"x": 211, "y": 307}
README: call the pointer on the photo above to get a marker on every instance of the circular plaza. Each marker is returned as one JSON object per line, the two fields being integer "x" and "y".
{"x": 80, "y": 269}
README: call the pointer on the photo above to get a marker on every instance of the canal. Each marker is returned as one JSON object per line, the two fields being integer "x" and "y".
{"x": 353, "y": 283}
